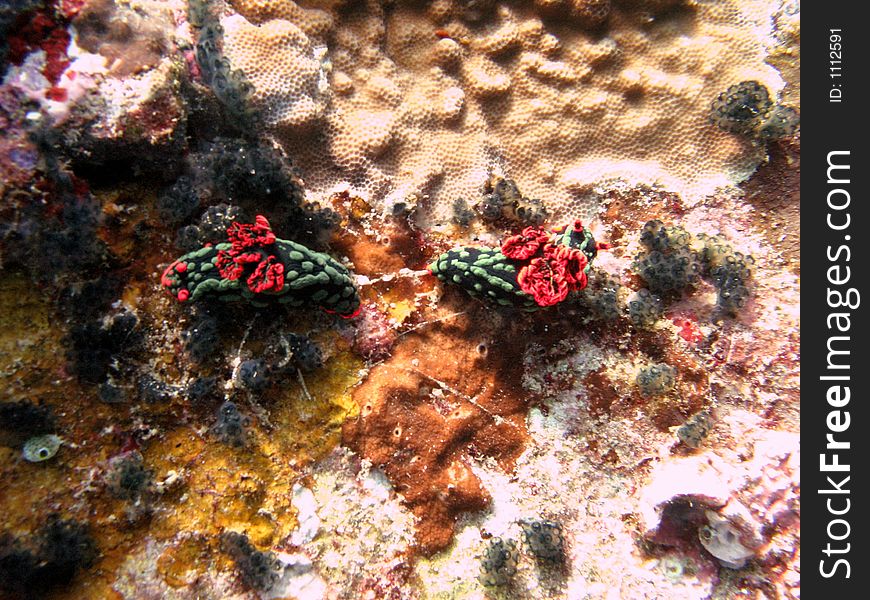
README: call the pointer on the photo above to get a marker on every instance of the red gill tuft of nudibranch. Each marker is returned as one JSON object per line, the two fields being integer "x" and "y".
{"x": 570, "y": 263}
{"x": 248, "y": 235}
{"x": 554, "y": 269}
{"x": 268, "y": 275}
{"x": 526, "y": 244}
{"x": 541, "y": 279}
{"x": 249, "y": 243}
{"x": 550, "y": 277}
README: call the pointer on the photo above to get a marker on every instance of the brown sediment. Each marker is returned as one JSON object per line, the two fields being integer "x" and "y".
{"x": 628, "y": 210}
{"x": 601, "y": 393}
{"x": 774, "y": 192}
{"x": 607, "y": 395}
{"x": 380, "y": 248}
{"x": 449, "y": 394}
{"x": 377, "y": 245}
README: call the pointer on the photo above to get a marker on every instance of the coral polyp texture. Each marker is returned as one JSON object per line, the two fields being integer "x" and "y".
{"x": 284, "y": 67}
{"x": 425, "y": 100}
{"x": 256, "y": 266}
{"x": 564, "y": 238}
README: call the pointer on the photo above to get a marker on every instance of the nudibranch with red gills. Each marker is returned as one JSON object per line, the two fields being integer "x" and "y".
{"x": 532, "y": 270}
{"x": 255, "y": 266}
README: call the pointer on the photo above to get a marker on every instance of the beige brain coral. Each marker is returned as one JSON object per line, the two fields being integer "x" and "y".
{"x": 284, "y": 67}
{"x": 312, "y": 21}
{"x": 428, "y": 101}
{"x": 590, "y": 13}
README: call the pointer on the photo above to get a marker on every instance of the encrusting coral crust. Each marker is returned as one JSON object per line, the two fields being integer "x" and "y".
{"x": 424, "y": 415}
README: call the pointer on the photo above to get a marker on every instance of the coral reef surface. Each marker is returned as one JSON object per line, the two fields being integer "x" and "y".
{"x": 393, "y": 299}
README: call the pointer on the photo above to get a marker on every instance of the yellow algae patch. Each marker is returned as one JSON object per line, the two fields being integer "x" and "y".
{"x": 308, "y": 426}
{"x": 121, "y": 234}
{"x": 28, "y": 489}
{"x": 224, "y": 487}
{"x": 176, "y": 564}
{"x": 30, "y": 357}
{"x": 401, "y": 310}
{"x": 248, "y": 488}
{"x": 216, "y": 486}
{"x": 29, "y": 346}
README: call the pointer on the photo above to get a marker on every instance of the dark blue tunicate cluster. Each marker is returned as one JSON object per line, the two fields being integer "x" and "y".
{"x": 211, "y": 228}
{"x": 23, "y": 419}
{"x": 600, "y": 297}
{"x": 656, "y": 380}
{"x": 229, "y": 85}
{"x": 187, "y": 238}
{"x": 738, "y": 108}
{"x": 202, "y": 338}
{"x": 199, "y": 12}
{"x": 154, "y": 391}
{"x": 258, "y": 570}
{"x": 645, "y": 309}
{"x": 68, "y": 244}
{"x": 201, "y": 388}
{"x": 241, "y": 170}
{"x": 95, "y": 344}
{"x": 100, "y": 346}
{"x": 66, "y": 545}
{"x": 729, "y": 271}
{"x": 241, "y": 178}
{"x": 503, "y": 202}
{"x": 261, "y": 179}
{"x": 254, "y": 374}
{"x": 51, "y": 229}
{"x": 88, "y": 300}
{"x": 178, "y": 202}
{"x": 695, "y": 429}
{"x": 231, "y": 426}
{"x": 498, "y": 565}
{"x": 28, "y": 417}
{"x": 545, "y": 541}
{"x": 674, "y": 261}
{"x": 462, "y": 213}
{"x": 129, "y": 479}
{"x": 777, "y": 123}
{"x": 110, "y": 393}
{"x": 668, "y": 265}
{"x": 747, "y": 109}
{"x": 31, "y": 565}
{"x": 306, "y": 355}
{"x": 730, "y": 282}
{"x": 312, "y": 224}
{"x": 216, "y": 219}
